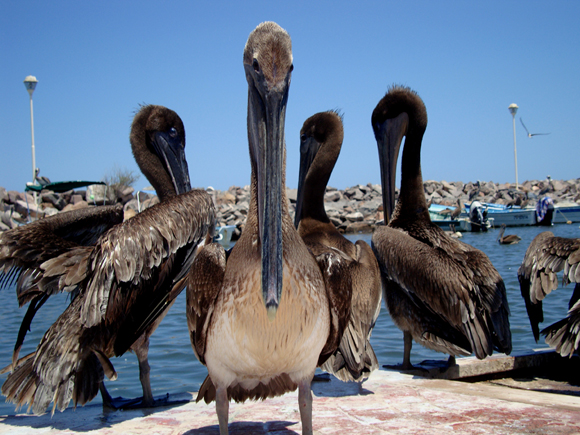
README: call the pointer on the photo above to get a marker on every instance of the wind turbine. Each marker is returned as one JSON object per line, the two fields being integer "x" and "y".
{"x": 527, "y": 131}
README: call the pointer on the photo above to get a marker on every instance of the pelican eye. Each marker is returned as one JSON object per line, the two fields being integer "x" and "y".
{"x": 173, "y": 132}
{"x": 256, "y": 65}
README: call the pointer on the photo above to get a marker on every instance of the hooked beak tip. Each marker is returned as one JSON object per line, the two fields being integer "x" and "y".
{"x": 272, "y": 309}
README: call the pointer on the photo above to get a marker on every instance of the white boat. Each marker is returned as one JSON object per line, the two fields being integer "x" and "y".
{"x": 566, "y": 212}
{"x": 510, "y": 216}
{"x": 439, "y": 215}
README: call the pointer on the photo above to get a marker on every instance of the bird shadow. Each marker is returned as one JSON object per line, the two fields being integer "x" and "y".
{"x": 337, "y": 388}
{"x": 249, "y": 427}
{"x": 90, "y": 417}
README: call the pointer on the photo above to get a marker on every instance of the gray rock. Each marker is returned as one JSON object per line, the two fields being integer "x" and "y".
{"x": 149, "y": 203}
{"x": 50, "y": 211}
{"x": 336, "y": 221}
{"x": 131, "y": 205}
{"x": 76, "y": 199}
{"x": 355, "y": 216}
{"x": 291, "y": 194}
{"x": 332, "y": 196}
{"x": 6, "y": 219}
{"x": 13, "y": 196}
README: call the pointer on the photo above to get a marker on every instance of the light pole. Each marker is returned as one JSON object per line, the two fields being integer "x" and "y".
{"x": 30, "y": 84}
{"x": 513, "y": 108}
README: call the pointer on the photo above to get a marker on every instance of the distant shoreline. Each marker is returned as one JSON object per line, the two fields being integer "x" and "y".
{"x": 355, "y": 209}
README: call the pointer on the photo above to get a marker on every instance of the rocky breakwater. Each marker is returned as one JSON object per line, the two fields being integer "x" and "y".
{"x": 353, "y": 210}
{"x": 17, "y": 208}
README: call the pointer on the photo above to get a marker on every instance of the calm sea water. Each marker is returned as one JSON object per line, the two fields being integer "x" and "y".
{"x": 174, "y": 368}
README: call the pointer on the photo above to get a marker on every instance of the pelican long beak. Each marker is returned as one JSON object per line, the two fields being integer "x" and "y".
{"x": 266, "y": 116}
{"x": 389, "y": 137}
{"x": 308, "y": 149}
{"x": 171, "y": 147}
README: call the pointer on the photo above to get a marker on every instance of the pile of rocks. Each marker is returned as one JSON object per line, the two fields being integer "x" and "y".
{"x": 17, "y": 208}
{"x": 353, "y": 210}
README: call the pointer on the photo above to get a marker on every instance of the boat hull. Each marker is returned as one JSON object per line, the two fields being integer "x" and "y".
{"x": 565, "y": 214}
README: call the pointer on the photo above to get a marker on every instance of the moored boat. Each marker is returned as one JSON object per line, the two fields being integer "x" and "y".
{"x": 440, "y": 216}
{"x": 510, "y": 216}
{"x": 566, "y": 212}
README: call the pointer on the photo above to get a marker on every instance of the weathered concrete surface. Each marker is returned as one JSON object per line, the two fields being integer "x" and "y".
{"x": 497, "y": 363}
{"x": 389, "y": 402}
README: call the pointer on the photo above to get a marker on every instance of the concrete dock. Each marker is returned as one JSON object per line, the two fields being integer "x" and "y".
{"x": 388, "y": 402}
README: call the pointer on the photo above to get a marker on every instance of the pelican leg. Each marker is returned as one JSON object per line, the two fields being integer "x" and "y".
{"x": 142, "y": 352}
{"x": 222, "y": 408}
{"x": 114, "y": 404}
{"x": 107, "y": 399}
{"x": 305, "y": 404}
{"x": 451, "y": 361}
{"x": 408, "y": 340}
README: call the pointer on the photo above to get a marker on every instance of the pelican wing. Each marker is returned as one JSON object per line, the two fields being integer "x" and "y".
{"x": 335, "y": 267}
{"x": 129, "y": 261}
{"x": 132, "y": 272}
{"x": 355, "y": 358}
{"x": 204, "y": 284}
{"x": 455, "y": 281}
{"x": 24, "y": 249}
{"x": 564, "y": 335}
{"x": 559, "y": 253}
{"x": 545, "y": 257}
{"x": 142, "y": 290}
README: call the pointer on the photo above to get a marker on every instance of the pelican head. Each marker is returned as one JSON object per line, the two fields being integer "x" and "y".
{"x": 268, "y": 66}
{"x": 158, "y": 144}
{"x": 399, "y": 113}
{"x": 322, "y": 132}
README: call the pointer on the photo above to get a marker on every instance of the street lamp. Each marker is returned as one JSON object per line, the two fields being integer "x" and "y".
{"x": 513, "y": 108}
{"x": 30, "y": 84}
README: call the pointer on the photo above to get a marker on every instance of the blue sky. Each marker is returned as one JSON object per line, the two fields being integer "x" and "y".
{"x": 97, "y": 61}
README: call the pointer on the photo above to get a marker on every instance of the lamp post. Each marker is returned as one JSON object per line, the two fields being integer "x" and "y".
{"x": 513, "y": 108}
{"x": 30, "y": 84}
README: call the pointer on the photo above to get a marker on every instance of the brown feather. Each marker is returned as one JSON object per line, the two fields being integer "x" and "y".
{"x": 353, "y": 279}
{"x": 546, "y": 256}
{"x": 127, "y": 281}
{"x": 205, "y": 280}
{"x": 444, "y": 293}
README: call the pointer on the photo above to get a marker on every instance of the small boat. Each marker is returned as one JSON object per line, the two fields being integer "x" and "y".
{"x": 511, "y": 216}
{"x": 566, "y": 213}
{"x": 440, "y": 216}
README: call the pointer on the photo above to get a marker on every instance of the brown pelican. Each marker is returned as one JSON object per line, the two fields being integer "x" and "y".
{"x": 442, "y": 293}
{"x": 126, "y": 281}
{"x": 320, "y": 142}
{"x": 528, "y": 132}
{"x": 457, "y": 210}
{"x": 510, "y": 239}
{"x": 265, "y": 316}
{"x": 545, "y": 257}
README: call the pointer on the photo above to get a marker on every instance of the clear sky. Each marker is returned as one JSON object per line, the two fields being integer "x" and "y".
{"x": 97, "y": 61}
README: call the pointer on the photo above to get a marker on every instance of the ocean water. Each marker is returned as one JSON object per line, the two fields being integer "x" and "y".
{"x": 175, "y": 369}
